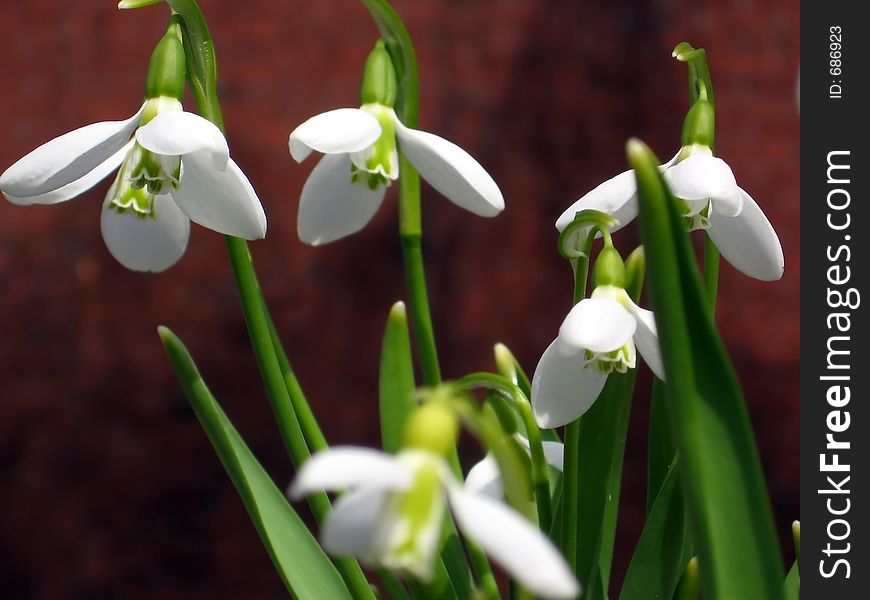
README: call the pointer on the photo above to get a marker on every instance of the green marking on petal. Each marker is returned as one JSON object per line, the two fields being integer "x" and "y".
{"x": 381, "y": 158}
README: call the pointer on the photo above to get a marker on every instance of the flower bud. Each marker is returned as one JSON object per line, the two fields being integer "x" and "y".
{"x": 609, "y": 269}
{"x": 379, "y": 78}
{"x": 166, "y": 71}
{"x": 432, "y": 427}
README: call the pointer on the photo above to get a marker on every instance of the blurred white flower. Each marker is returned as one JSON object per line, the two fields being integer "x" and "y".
{"x": 394, "y": 513}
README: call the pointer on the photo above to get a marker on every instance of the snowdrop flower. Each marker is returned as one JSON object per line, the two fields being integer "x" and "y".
{"x": 394, "y": 513}
{"x": 601, "y": 335}
{"x": 348, "y": 185}
{"x": 485, "y": 477}
{"x": 174, "y": 168}
{"x": 711, "y": 200}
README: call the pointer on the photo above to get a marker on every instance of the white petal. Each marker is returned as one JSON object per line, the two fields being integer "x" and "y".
{"x": 452, "y": 171}
{"x": 702, "y": 176}
{"x": 562, "y": 388}
{"x": 223, "y": 201}
{"x": 598, "y": 324}
{"x": 176, "y": 133}
{"x": 554, "y": 452}
{"x": 332, "y": 206}
{"x": 485, "y": 478}
{"x": 351, "y": 527}
{"x": 67, "y": 158}
{"x": 339, "y": 131}
{"x": 146, "y": 244}
{"x": 516, "y": 544}
{"x": 616, "y": 197}
{"x": 748, "y": 241}
{"x": 646, "y": 339}
{"x": 346, "y": 466}
{"x": 79, "y": 186}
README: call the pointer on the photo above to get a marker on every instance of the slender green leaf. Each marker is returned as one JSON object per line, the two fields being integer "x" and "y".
{"x": 603, "y": 432}
{"x": 660, "y": 447}
{"x": 793, "y": 583}
{"x": 397, "y": 379}
{"x": 662, "y": 550}
{"x": 303, "y": 566}
{"x": 721, "y": 473}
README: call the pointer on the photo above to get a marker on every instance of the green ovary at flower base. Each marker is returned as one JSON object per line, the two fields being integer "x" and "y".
{"x": 346, "y": 188}
{"x": 601, "y": 335}
{"x": 175, "y": 169}
{"x": 394, "y": 514}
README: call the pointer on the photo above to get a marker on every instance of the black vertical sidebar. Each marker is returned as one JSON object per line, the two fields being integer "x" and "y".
{"x": 835, "y": 226}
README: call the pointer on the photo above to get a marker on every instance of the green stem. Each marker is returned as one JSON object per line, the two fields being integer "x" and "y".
{"x": 411, "y": 232}
{"x": 571, "y": 473}
{"x": 308, "y": 422}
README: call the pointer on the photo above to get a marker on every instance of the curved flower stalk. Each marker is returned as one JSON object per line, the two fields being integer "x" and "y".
{"x": 711, "y": 200}
{"x": 394, "y": 513}
{"x": 348, "y": 185}
{"x": 172, "y": 166}
{"x": 485, "y": 477}
{"x": 600, "y": 335}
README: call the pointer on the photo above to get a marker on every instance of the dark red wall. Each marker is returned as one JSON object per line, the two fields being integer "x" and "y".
{"x": 109, "y": 485}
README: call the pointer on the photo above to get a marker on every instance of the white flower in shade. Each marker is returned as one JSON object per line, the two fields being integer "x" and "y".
{"x": 173, "y": 168}
{"x": 485, "y": 477}
{"x": 712, "y": 201}
{"x": 348, "y": 185}
{"x": 394, "y": 513}
{"x": 600, "y": 335}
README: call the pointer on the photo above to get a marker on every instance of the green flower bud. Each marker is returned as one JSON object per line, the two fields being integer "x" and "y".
{"x": 609, "y": 269}
{"x": 379, "y": 78}
{"x": 166, "y": 71}
{"x": 432, "y": 427}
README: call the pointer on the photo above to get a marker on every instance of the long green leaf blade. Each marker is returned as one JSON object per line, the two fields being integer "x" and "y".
{"x": 663, "y": 548}
{"x": 396, "y": 379}
{"x": 721, "y": 474}
{"x": 302, "y": 565}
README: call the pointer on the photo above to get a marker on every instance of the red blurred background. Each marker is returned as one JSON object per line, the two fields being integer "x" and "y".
{"x": 109, "y": 485}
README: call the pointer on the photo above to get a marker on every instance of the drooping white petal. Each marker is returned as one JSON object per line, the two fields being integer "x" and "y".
{"x": 452, "y": 171}
{"x": 351, "y": 527}
{"x": 646, "y": 339}
{"x": 346, "y": 466}
{"x": 597, "y": 324}
{"x": 224, "y": 201}
{"x": 616, "y": 197}
{"x": 339, "y": 131}
{"x": 702, "y": 176}
{"x": 485, "y": 478}
{"x": 147, "y": 244}
{"x": 516, "y": 544}
{"x": 67, "y": 158}
{"x": 562, "y": 388}
{"x": 79, "y": 186}
{"x": 332, "y": 206}
{"x": 748, "y": 241}
{"x": 175, "y": 133}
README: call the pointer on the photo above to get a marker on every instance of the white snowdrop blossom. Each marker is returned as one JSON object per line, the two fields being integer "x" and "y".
{"x": 601, "y": 335}
{"x": 711, "y": 200}
{"x": 394, "y": 513}
{"x": 172, "y": 167}
{"x": 346, "y": 188}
